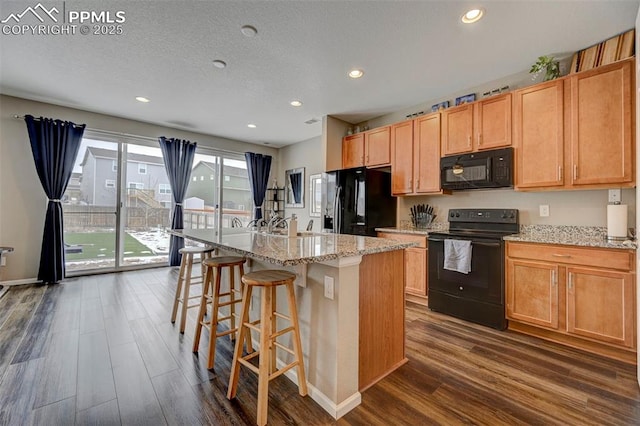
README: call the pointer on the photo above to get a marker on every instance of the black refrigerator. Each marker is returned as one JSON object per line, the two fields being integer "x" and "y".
{"x": 357, "y": 201}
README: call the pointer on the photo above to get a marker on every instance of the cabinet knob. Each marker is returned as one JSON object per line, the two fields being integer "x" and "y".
{"x": 479, "y": 138}
{"x": 461, "y": 288}
{"x": 575, "y": 171}
{"x": 468, "y": 140}
{"x": 560, "y": 173}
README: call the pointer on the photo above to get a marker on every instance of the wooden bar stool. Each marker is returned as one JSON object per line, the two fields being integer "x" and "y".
{"x": 268, "y": 280}
{"x": 213, "y": 295}
{"x": 185, "y": 281}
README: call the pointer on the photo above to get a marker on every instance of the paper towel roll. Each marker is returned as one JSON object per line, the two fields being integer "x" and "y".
{"x": 617, "y": 221}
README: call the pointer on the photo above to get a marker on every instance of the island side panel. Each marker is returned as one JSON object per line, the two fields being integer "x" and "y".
{"x": 381, "y": 316}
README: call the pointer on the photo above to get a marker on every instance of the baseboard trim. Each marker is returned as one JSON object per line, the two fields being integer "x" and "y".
{"x": 19, "y": 282}
{"x": 335, "y": 410}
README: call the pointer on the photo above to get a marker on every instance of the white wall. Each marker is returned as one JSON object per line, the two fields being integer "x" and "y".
{"x": 307, "y": 154}
{"x": 22, "y": 199}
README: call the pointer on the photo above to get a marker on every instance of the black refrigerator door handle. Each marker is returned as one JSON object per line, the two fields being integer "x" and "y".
{"x": 337, "y": 216}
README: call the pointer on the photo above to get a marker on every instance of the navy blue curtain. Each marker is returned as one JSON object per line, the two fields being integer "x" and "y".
{"x": 55, "y": 146}
{"x": 296, "y": 186}
{"x": 258, "y": 167}
{"x": 178, "y": 160}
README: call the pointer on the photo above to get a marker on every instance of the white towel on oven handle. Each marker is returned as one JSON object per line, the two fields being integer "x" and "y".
{"x": 457, "y": 255}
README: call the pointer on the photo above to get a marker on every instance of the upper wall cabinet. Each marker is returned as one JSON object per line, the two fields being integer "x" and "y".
{"x": 485, "y": 124}
{"x": 415, "y": 156}
{"x": 538, "y": 134}
{"x": 371, "y": 148}
{"x": 601, "y": 125}
{"x": 576, "y": 132}
{"x": 353, "y": 151}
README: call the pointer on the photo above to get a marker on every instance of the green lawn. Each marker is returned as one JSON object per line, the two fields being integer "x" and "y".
{"x": 103, "y": 243}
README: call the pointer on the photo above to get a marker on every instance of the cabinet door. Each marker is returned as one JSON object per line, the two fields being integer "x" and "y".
{"x": 415, "y": 270}
{"x": 493, "y": 123}
{"x": 377, "y": 147}
{"x": 426, "y": 153}
{"x": 601, "y": 125}
{"x": 600, "y": 305}
{"x": 532, "y": 292}
{"x": 539, "y": 135}
{"x": 353, "y": 151}
{"x": 457, "y": 130}
{"x": 402, "y": 158}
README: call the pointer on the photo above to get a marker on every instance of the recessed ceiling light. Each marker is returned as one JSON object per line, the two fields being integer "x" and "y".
{"x": 142, "y": 99}
{"x": 219, "y": 64}
{"x": 356, "y": 73}
{"x": 251, "y": 126}
{"x": 296, "y": 103}
{"x": 473, "y": 15}
{"x": 249, "y": 31}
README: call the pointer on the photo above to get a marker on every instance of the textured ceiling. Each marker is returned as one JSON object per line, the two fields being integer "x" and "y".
{"x": 411, "y": 52}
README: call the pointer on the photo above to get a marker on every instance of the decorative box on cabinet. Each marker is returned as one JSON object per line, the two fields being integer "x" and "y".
{"x": 415, "y": 266}
{"x": 485, "y": 124}
{"x": 580, "y": 296}
{"x": 415, "y": 156}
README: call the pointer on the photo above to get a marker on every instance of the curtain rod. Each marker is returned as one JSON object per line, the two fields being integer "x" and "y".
{"x": 147, "y": 138}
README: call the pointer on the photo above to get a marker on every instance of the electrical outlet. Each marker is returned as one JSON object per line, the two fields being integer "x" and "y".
{"x": 3, "y": 261}
{"x": 614, "y": 196}
{"x": 328, "y": 287}
{"x": 544, "y": 210}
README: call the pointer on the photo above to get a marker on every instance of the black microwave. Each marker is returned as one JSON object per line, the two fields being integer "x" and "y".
{"x": 477, "y": 170}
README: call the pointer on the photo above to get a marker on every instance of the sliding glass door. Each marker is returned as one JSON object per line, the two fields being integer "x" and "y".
{"x": 117, "y": 205}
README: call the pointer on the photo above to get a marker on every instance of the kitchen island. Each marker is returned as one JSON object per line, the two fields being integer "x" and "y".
{"x": 350, "y": 300}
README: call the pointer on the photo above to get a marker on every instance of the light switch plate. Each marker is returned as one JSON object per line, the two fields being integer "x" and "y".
{"x": 544, "y": 210}
{"x": 614, "y": 196}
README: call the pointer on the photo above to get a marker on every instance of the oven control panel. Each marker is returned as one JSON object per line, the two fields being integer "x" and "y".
{"x": 484, "y": 215}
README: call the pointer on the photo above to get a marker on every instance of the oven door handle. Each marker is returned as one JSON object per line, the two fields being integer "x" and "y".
{"x": 476, "y": 243}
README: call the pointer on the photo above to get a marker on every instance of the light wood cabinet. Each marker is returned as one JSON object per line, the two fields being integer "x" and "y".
{"x": 415, "y": 159}
{"x": 377, "y": 146}
{"x": 371, "y": 148}
{"x": 353, "y": 151}
{"x": 538, "y": 131}
{"x": 532, "y": 292}
{"x": 581, "y": 296}
{"x": 426, "y": 154}
{"x": 493, "y": 122}
{"x": 402, "y": 158}
{"x": 600, "y": 305}
{"x": 415, "y": 265}
{"x": 485, "y": 124}
{"x": 601, "y": 125}
{"x": 457, "y": 130}
{"x": 576, "y": 132}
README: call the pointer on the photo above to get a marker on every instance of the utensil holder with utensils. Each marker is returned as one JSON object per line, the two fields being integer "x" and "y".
{"x": 422, "y": 215}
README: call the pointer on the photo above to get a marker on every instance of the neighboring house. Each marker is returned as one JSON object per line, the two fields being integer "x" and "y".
{"x": 236, "y": 190}
{"x": 146, "y": 179}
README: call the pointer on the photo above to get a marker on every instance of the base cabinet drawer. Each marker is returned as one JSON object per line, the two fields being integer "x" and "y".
{"x": 573, "y": 300}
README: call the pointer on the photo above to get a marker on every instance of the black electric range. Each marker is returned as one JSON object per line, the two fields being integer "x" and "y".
{"x": 478, "y": 295}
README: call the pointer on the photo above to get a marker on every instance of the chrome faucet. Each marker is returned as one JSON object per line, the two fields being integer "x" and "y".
{"x": 257, "y": 223}
{"x": 275, "y": 219}
{"x": 282, "y": 221}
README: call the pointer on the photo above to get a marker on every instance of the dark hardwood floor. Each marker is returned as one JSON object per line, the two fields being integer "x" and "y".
{"x": 101, "y": 350}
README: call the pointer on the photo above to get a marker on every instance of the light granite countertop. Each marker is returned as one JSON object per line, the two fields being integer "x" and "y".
{"x": 285, "y": 251}
{"x": 586, "y": 236}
